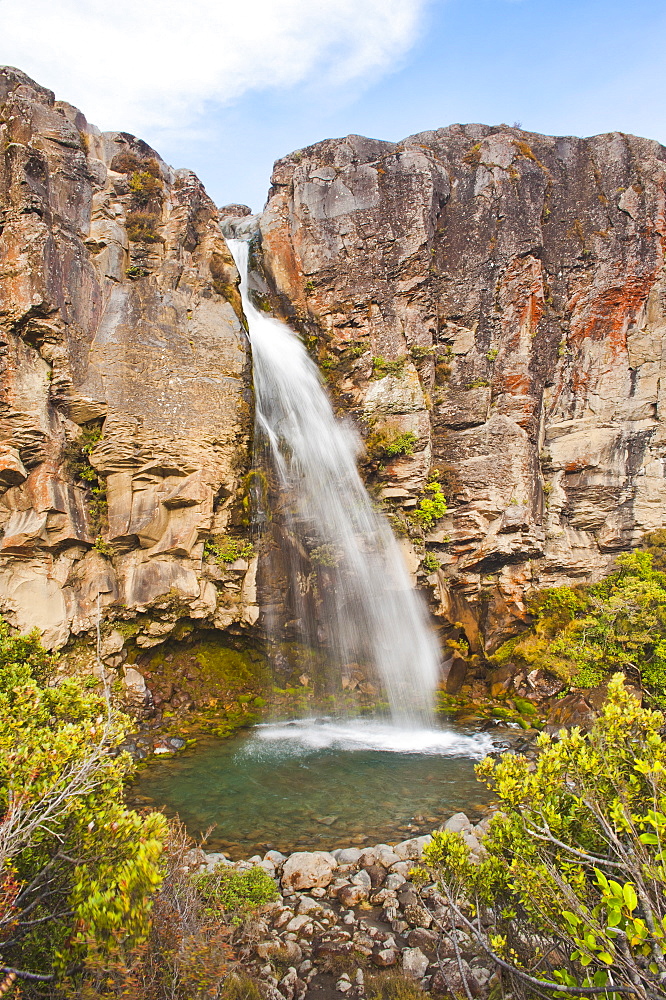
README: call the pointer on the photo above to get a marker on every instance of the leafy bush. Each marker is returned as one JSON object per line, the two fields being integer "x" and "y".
{"x": 389, "y": 442}
{"x": 77, "y": 463}
{"x": 142, "y": 225}
{"x": 572, "y": 885}
{"x": 431, "y": 507}
{"x": 228, "y": 550}
{"x": 430, "y": 562}
{"x": 382, "y": 366}
{"x": 586, "y": 633}
{"x": 77, "y": 868}
{"x": 146, "y": 189}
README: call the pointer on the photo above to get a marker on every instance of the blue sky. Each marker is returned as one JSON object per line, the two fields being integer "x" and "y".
{"x": 229, "y": 90}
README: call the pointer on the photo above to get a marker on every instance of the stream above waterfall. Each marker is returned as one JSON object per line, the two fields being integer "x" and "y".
{"x": 317, "y": 784}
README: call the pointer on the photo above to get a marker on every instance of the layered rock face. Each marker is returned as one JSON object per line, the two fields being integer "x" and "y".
{"x": 125, "y": 418}
{"x": 500, "y": 296}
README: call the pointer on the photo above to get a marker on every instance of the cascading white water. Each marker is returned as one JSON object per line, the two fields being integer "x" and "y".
{"x": 374, "y": 617}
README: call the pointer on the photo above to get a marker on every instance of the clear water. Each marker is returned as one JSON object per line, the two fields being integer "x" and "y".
{"x": 367, "y": 613}
{"x": 318, "y": 784}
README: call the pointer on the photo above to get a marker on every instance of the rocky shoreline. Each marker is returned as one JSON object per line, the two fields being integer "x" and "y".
{"x": 346, "y": 914}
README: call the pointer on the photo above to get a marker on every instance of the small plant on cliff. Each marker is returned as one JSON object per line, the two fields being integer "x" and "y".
{"x": 572, "y": 882}
{"x": 146, "y": 189}
{"x": 77, "y": 463}
{"x": 226, "y": 550}
{"x": 431, "y": 506}
{"x": 382, "y": 367}
{"x": 389, "y": 442}
{"x": 430, "y": 562}
{"x": 142, "y": 226}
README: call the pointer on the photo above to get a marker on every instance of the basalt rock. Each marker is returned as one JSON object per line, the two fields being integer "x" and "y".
{"x": 500, "y": 297}
{"x": 125, "y": 416}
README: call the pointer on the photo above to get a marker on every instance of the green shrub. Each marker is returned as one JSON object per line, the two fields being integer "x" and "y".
{"x": 78, "y": 869}
{"x": 142, "y": 226}
{"x": 389, "y": 442}
{"x": 77, "y": 464}
{"x": 227, "y": 550}
{"x": 573, "y": 879}
{"x": 430, "y": 562}
{"x": 146, "y": 189}
{"x": 584, "y": 634}
{"x": 382, "y": 367}
{"x": 431, "y": 507}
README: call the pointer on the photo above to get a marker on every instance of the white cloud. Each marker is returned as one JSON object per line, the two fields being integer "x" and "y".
{"x": 139, "y": 64}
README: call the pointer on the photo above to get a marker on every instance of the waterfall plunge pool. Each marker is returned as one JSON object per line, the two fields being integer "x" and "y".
{"x": 318, "y": 784}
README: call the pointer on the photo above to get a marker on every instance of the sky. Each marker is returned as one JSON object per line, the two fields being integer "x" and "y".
{"x": 227, "y": 88}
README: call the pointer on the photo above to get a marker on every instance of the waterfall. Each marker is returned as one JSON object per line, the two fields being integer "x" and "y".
{"x": 373, "y": 616}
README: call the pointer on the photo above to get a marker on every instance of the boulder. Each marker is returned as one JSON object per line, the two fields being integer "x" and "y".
{"x": 307, "y": 870}
{"x": 414, "y": 963}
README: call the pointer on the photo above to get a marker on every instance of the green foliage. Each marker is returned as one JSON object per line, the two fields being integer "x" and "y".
{"x": 104, "y": 547}
{"x": 491, "y": 355}
{"x": 431, "y": 506}
{"x": 586, "y": 633}
{"x": 326, "y": 556}
{"x": 382, "y": 367}
{"x": 145, "y": 188}
{"x": 573, "y": 878}
{"x": 236, "y": 893}
{"x": 135, "y": 271}
{"x": 430, "y": 562}
{"x": 77, "y": 868}
{"x": 478, "y": 383}
{"x": 224, "y": 549}
{"x": 78, "y": 466}
{"x": 141, "y": 226}
{"x": 389, "y": 442}
{"x": 418, "y": 352}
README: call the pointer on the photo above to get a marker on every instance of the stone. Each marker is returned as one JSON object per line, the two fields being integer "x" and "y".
{"x": 414, "y": 963}
{"x": 458, "y": 823}
{"x": 139, "y": 342}
{"x": 362, "y": 878}
{"x": 454, "y": 672}
{"x": 421, "y": 938}
{"x": 352, "y": 895}
{"x": 394, "y": 880}
{"x": 386, "y": 957}
{"x": 307, "y": 870}
{"x": 300, "y": 925}
{"x": 276, "y": 857}
{"x": 417, "y": 915}
{"x": 385, "y": 856}
{"x": 347, "y": 855}
{"x": 411, "y": 850}
{"x": 376, "y": 874}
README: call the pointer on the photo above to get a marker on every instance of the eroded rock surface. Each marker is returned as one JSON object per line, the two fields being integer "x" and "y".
{"x": 125, "y": 415}
{"x": 500, "y": 296}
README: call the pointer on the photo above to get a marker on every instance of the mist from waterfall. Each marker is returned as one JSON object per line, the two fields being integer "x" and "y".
{"x": 373, "y": 615}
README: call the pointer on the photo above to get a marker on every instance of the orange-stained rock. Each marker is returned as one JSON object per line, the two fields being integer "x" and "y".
{"x": 139, "y": 335}
{"x": 520, "y": 278}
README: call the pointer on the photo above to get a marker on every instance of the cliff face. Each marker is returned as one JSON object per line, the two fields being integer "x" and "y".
{"x": 125, "y": 415}
{"x": 500, "y": 296}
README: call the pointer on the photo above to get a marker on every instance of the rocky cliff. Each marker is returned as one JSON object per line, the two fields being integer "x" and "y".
{"x": 125, "y": 416}
{"x": 494, "y": 302}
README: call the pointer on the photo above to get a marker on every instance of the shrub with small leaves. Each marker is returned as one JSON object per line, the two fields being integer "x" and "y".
{"x": 431, "y": 506}
{"x": 572, "y": 881}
